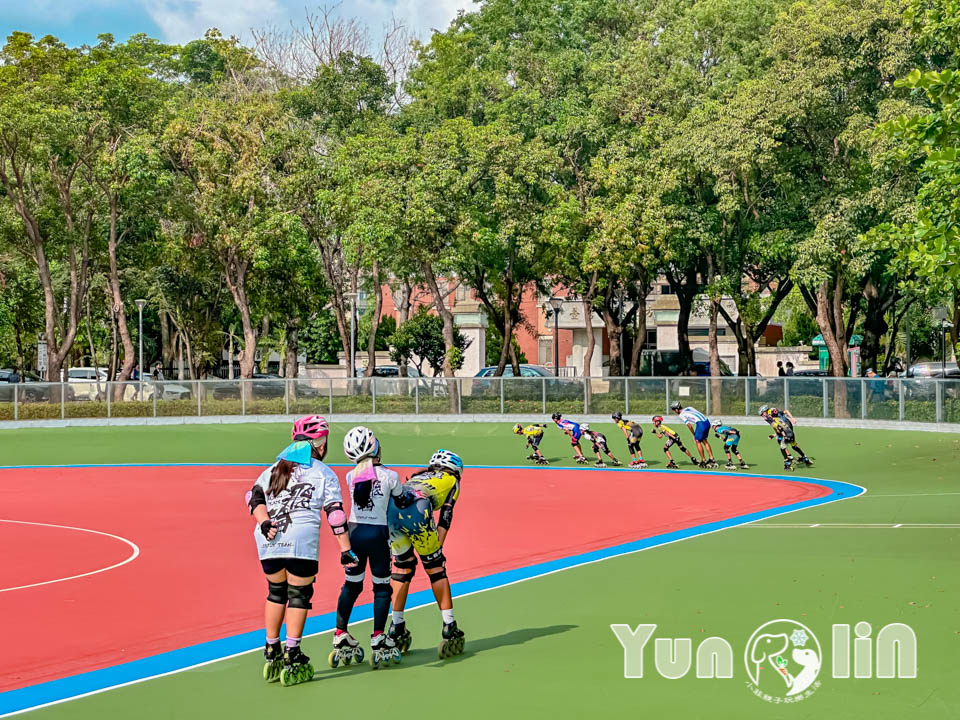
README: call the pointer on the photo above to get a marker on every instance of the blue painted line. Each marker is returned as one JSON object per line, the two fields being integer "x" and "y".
{"x": 63, "y": 689}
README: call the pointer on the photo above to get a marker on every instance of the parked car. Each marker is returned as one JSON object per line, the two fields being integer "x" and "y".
{"x": 934, "y": 370}
{"x": 31, "y": 388}
{"x": 525, "y": 371}
{"x": 264, "y": 386}
{"x": 88, "y": 383}
{"x": 666, "y": 363}
{"x": 810, "y": 373}
{"x": 916, "y": 389}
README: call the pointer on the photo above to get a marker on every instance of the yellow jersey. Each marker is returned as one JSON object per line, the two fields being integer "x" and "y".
{"x": 533, "y": 430}
{"x": 442, "y": 488}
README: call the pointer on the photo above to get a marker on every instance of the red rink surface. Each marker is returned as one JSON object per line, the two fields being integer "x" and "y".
{"x": 198, "y": 579}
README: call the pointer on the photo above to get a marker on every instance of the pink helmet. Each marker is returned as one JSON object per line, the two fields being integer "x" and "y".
{"x": 310, "y": 427}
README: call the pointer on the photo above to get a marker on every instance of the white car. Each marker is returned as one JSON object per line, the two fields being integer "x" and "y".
{"x": 88, "y": 383}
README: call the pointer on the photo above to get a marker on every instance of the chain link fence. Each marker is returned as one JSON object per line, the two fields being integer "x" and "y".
{"x": 891, "y": 399}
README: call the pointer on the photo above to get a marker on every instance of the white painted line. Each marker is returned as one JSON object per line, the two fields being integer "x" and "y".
{"x": 900, "y": 525}
{"x": 133, "y": 555}
{"x": 855, "y": 526}
{"x": 911, "y": 495}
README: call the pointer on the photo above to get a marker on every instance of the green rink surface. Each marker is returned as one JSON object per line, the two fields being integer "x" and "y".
{"x": 543, "y": 648}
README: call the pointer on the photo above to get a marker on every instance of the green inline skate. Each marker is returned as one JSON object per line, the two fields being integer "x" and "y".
{"x": 296, "y": 667}
{"x": 273, "y": 655}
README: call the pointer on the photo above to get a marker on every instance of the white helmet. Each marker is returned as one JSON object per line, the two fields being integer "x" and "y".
{"x": 446, "y": 459}
{"x": 360, "y": 443}
{"x": 584, "y": 426}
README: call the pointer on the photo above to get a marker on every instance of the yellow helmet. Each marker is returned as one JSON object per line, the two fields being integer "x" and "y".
{"x": 518, "y": 428}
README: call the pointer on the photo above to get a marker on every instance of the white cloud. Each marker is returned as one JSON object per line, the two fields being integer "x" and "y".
{"x": 183, "y": 20}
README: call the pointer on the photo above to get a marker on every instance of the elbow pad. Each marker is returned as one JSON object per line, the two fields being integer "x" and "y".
{"x": 336, "y": 517}
{"x": 446, "y": 517}
{"x": 257, "y": 498}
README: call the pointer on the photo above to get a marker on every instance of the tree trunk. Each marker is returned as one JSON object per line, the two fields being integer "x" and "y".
{"x": 829, "y": 312}
{"x": 235, "y": 275}
{"x": 448, "y": 336}
{"x": 588, "y": 299}
{"x": 716, "y": 406}
{"x": 374, "y": 322}
{"x": 641, "y": 303}
{"x": 167, "y": 349}
{"x": 614, "y": 334}
{"x": 875, "y": 324}
{"x": 113, "y": 277}
{"x": 293, "y": 347}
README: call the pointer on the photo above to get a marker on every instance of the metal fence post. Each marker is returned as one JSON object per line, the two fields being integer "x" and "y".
{"x": 63, "y": 400}
{"x": 501, "y": 394}
{"x": 863, "y": 399}
{"x": 16, "y": 402}
{"x": 459, "y": 388}
{"x": 900, "y": 398}
{"x": 199, "y": 401}
{"x": 544, "y": 394}
{"x": 154, "y": 404}
{"x": 586, "y": 396}
{"x": 108, "y": 400}
{"x": 707, "y": 383}
{"x": 939, "y": 400}
{"x": 330, "y": 386}
{"x": 373, "y": 392}
{"x": 826, "y": 403}
{"x": 286, "y": 396}
{"x": 243, "y": 396}
{"x": 666, "y": 385}
{"x": 626, "y": 395}
{"x": 416, "y": 391}
{"x": 786, "y": 393}
{"x": 746, "y": 396}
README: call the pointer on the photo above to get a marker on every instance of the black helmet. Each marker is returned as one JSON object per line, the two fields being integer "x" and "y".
{"x": 618, "y": 416}
{"x": 677, "y": 406}
{"x": 557, "y": 416}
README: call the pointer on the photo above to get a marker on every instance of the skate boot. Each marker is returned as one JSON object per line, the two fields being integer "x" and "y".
{"x": 580, "y": 460}
{"x": 601, "y": 463}
{"x": 672, "y": 465}
{"x": 346, "y": 649}
{"x": 634, "y": 463}
{"x": 453, "y": 641}
{"x": 788, "y": 464}
{"x": 531, "y": 457}
{"x": 615, "y": 463}
{"x": 642, "y": 465}
{"x": 743, "y": 465}
{"x": 702, "y": 464}
{"x": 296, "y": 667}
{"x": 730, "y": 466}
{"x": 273, "y": 655}
{"x": 542, "y": 461}
{"x": 694, "y": 461}
{"x": 383, "y": 651}
{"x": 400, "y": 636}
{"x": 712, "y": 464}
{"x": 806, "y": 461}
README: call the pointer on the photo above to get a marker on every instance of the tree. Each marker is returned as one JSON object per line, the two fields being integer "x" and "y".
{"x": 46, "y": 144}
{"x": 420, "y": 339}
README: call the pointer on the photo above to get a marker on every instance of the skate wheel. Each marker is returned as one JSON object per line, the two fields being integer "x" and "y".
{"x": 358, "y": 654}
{"x": 397, "y": 657}
{"x": 333, "y": 660}
{"x": 374, "y": 663}
{"x": 442, "y": 651}
{"x": 347, "y": 659}
{"x": 286, "y": 678}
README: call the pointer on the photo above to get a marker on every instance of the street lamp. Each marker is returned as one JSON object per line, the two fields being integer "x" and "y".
{"x": 140, "y": 306}
{"x": 556, "y": 303}
{"x": 352, "y": 297}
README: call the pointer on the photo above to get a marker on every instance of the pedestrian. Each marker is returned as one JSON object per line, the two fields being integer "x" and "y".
{"x": 136, "y": 373}
{"x": 14, "y": 377}
{"x": 780, "y": 370}
{"x": 158, "y": 373}
{"x": 789, "y": 368}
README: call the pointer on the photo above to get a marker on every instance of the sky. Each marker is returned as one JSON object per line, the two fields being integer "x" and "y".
{"x": 178, "y": 21}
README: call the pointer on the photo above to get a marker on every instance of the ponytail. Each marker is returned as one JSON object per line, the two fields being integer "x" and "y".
{"x": 363, "y": 477}
{"x": 280, "y": 477}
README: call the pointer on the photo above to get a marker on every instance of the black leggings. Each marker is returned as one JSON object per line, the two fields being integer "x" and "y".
{"x": 371, "y": 543}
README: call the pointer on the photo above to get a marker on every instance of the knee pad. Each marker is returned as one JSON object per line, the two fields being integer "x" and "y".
{"x": 277, "y": 592}
{"x": 382, "y": 590}
{"x": 298, "y": 596}
{"x": 406, "y": 560}
{"x": 438, "y": 576}
{"x": 402, "y": 577}
{"x": 433, "y": 560}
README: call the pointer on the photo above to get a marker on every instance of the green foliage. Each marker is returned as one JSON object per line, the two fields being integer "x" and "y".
{"x": 320, "y": 340}
{"x": 495, "y": 345}
{"x": 420, "y": 340}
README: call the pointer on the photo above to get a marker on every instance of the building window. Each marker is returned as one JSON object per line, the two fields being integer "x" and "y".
{"x": 705, "y": 332}
{"x": 462, "y": 292}
{"x": 666, "y": 290}
{"x": 651, "y": 342}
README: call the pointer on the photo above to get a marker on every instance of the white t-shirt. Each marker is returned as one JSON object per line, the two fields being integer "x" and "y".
{"x": 386, "y": 483}
{"x": 691, "y": 415}
{"x": 296, "y": 512}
